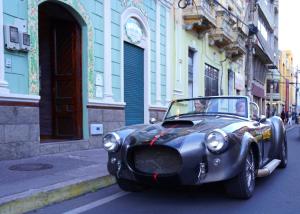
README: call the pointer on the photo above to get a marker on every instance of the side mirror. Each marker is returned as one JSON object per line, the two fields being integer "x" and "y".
{"x": 262, "y": 119}
{"x": 152, "y": 120}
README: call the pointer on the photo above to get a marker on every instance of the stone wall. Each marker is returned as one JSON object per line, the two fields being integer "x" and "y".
{"x": 65, "y": 146}
{"x": 111, "y": 118}
{"x": 158, "y": 114}
{"x": 19, "y": 132}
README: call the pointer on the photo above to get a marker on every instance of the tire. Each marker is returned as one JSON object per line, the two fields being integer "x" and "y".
{"x": 283, "y": 155}
{"x": 242, "y": 186}
{"x": 130, "y": 186}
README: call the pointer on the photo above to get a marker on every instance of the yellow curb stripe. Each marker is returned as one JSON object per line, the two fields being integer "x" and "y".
{"x": 42, "y": 199}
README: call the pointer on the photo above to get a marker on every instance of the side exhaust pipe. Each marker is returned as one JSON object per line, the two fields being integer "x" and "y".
{"x": 269, "y": 168}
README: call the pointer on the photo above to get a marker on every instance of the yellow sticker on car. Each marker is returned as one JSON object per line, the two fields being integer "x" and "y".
{"x": 267, "y": 134}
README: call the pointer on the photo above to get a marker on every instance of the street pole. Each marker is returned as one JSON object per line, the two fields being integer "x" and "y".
{"x": 271, "y": 97}
{"x": 296, "y": 93}
{"x": 249, "y": 63}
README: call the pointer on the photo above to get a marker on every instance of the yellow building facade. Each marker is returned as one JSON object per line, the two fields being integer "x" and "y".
{"x": 209, "y": 49}
{"x": 287, "y": 80}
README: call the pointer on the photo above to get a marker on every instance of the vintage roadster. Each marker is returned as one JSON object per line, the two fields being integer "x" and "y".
{"x": 200, "y": 140}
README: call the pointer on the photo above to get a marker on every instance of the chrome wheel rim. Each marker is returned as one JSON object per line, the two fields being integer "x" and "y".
{"x": 250, "y": 171}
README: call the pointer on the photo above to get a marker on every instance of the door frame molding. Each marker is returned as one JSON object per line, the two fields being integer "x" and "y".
{"x": 196, "y": 68}
{"x": 132, "y": 12}
{"x": 80, "y": 14}
{"x": 87, "y": 58}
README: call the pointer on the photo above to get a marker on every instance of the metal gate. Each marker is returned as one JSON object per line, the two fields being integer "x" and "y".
{"x": 133, "y": 84}
{"x": 211, "y": 81}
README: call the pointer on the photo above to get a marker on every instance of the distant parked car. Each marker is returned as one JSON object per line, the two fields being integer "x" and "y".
{"x": 200, "y": 140}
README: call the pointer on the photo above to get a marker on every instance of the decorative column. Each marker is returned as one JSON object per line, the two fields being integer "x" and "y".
{"x": 108, "y": 95}
{"x": 3, "y": 83}
{"x": 168, "y": 61}
{"x": 158, "y": 77}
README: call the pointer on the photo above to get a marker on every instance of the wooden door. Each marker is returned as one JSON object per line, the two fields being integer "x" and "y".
{"x": 67, "y": 80}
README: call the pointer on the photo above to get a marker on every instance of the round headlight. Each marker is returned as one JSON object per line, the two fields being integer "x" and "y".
{"x": 216, "y": 141}
{"x": 111, "y": 142}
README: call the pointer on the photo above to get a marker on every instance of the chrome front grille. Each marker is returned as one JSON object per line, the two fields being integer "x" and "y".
{"x": 156, "y": 160}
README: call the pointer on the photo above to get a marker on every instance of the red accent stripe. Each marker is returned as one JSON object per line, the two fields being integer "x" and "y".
{"x": 155, "y": 175}
{"x": 162, "y": 133}
{"x": 154, "y": 140}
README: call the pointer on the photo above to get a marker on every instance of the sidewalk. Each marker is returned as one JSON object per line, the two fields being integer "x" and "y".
{"x": 67, "y": 175}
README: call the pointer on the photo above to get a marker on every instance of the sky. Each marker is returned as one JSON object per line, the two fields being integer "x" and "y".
{"x": 289, "y": 27}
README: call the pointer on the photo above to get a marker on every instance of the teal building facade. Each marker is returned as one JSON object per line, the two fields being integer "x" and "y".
{"x": 72, "y": 70}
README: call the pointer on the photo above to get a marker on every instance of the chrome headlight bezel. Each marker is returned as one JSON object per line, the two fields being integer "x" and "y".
{"x": 216, "y": 141}
{"x": 112, "y": 142}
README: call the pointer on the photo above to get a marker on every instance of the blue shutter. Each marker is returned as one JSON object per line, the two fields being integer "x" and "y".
{"x": 133, "y": 84}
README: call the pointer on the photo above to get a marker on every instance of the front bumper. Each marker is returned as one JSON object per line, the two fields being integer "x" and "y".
{"x": 199, "y": 166}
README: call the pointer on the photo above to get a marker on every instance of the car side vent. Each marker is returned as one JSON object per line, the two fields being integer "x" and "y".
{"x": 177, "y": 123}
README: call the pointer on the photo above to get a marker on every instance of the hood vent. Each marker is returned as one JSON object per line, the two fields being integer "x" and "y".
{"x": 177, "y": 124}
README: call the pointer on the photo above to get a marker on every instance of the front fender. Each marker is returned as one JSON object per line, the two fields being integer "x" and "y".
{"x": 232, "y": 161}
{"x": 248, "y": 142}
{"x": 113, "y": 167}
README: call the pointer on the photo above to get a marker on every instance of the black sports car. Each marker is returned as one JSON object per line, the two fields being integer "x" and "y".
{"x": 200, "y": 140}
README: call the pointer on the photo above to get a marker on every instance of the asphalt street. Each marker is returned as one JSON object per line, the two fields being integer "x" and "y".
{"x": 277, "y": 193}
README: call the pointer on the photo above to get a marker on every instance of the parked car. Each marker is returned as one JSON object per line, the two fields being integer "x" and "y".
{"x": 200, "y": 140}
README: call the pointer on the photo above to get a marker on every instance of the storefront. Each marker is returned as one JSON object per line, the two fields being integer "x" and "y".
{"x": 259, "y": 95}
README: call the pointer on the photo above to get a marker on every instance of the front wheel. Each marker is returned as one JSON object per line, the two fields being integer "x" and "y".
{"x": 242, "y": 186}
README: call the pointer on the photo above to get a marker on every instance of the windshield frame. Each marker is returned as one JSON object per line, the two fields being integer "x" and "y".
{"x": 211, "y": 113}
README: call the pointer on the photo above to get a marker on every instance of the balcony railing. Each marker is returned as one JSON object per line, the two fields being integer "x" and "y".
{"x": 265, "y": 52}
{"x": 223, "y": 34}
{"x": 238, "y": 48}
{"x": 275, "y": 96}
{"x": 201, "y": 17}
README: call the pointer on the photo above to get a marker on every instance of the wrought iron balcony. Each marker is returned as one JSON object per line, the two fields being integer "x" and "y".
{"x": 223, "y": 34}
{"x": 265, "y": 52}
{"x": 237, "y": 49}
{"x": 201, "y": 17}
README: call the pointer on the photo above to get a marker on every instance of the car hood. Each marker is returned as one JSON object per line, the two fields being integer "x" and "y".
{"x": 177, "y": 130}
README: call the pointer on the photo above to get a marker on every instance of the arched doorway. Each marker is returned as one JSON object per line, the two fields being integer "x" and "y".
{"x": 60, "y": 59}
{"x": 136, "y": 65}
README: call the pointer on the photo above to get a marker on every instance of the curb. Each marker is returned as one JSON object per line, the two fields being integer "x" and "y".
{"x": 53, "y": 195}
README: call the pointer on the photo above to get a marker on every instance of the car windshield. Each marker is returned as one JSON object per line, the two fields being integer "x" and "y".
{"x": 212, "y": 105}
